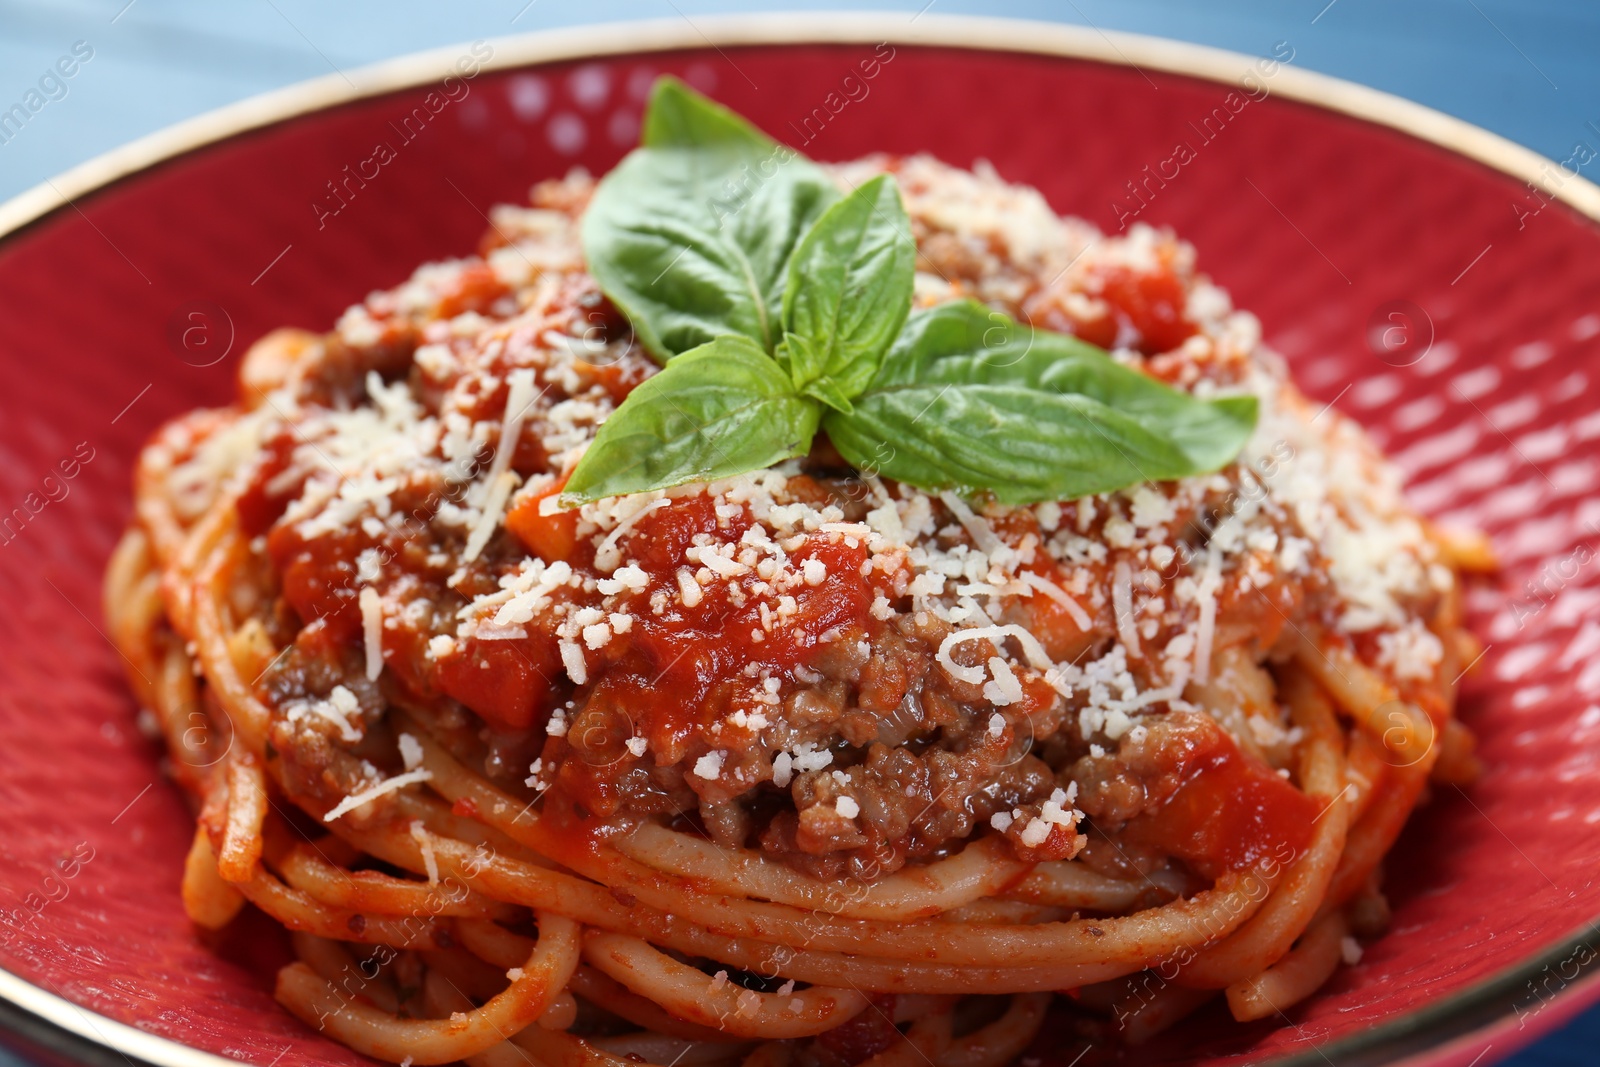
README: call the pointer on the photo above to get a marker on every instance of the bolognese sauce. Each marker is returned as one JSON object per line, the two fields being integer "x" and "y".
{"x": 952, "y": 722}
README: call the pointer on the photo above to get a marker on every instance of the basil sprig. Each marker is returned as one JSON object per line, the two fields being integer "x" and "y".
{"x": 722, "y": 409}
{"x": 967, "y": 397}
{"x": 778, "y": 307}
{"x": 848, "y": 293}
{"x": 691, "y": 235}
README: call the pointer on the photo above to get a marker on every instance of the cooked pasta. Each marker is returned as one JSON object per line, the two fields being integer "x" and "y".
{"x": 801, "y": 766}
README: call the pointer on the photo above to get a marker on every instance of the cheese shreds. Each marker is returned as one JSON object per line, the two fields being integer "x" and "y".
{"x": 688, "y": 589}
{"x": 1031, "y": 649}
{"x": 519, "y": 398}
{"x": 372, "y": 630}
{"x": 1005, "y": 688}
{"x": 572, "y": 660}
{"x": 338, "y": 708}
{"x": 1205, "y": 633}
{"x": 606, "y": 555}
{"x": 489, "y": 521}
{"x": 709, "y": 766}
{"x": 383, "y": 788}
{"x": 430, "y": 862}
{"x": 759, "y": 558}
{"x": 782, "y": 769}
{"x": 1080, "y": 618}
{"x": 720, "y": 565}
{"x": 1122, "y": 605}
{"x": 977, "y": 528}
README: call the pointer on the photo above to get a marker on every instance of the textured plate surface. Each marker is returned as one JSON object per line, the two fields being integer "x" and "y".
{"x": 1325, "y": 226}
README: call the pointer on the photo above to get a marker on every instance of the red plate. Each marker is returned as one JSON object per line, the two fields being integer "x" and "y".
{"x": 1442, "y": 302}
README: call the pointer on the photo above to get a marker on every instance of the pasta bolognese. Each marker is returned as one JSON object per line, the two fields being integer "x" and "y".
{"x": 835, "y": 759}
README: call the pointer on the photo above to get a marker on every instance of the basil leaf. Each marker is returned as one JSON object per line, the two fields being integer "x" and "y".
{"x": 677, "y": 116}
{"x": 725, "y": 248}
{"x": 964, "y": 342}
{"x": 967, "y": 398}
{"x": 1021, "y": 444}
{"x": 849, "y": 291}
{"x": 723, "y": 409}
{"x": 691, "y": 239}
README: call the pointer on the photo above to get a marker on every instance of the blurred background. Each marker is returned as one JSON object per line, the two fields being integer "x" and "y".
{"x": 1525, "y": 69}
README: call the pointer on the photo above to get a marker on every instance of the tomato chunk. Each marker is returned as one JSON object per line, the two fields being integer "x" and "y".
{"x": 552, "y": 537}
{"x": 1232, "y": 812}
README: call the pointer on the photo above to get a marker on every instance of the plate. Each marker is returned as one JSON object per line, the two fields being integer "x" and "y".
{"x": 1399, "y": 260}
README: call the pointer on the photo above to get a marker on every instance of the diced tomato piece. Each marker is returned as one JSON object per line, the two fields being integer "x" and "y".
{"x": 552, "y": 537}
{"x": 1150, "y": 304}
{"x": 658, "y": 541}
{"x": 319, "y": 577}
{"x": 507, "y": 682}
{"x": 1232, "y": 812}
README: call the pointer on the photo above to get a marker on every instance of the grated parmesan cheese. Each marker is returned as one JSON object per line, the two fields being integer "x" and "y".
{"x": 1005, "y": 689}
{"x": 430, "y": 862}
{"x": 1032, "y": 650}
{"x": 709, "y": 766}
{"x": 383, "y": 788}
{"x": 689, "y": 591}
{"x": 1080, "y": 618}
{"x": 372, "y": 630}
{"x": 572, "y": 660}
{"x": 489, "y": 521}
{"x": 1206, "y": 593}
{"x": 782, "y": 770}
{"x": 1325, "y": 500}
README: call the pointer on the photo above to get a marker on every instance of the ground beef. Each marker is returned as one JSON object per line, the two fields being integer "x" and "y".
{"x": 1142, "y": 772}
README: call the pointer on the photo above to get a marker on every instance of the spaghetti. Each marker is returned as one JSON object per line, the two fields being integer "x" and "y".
{"x": 802, "y": 766}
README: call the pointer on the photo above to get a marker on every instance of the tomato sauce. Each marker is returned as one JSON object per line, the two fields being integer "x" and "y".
{"x": 676, "y": 659}
{"x": 259, "y": 506}
{"x": 475, "y": 289}
{"x": 1145, "y": 311}
{"x": 1232, "y": 812}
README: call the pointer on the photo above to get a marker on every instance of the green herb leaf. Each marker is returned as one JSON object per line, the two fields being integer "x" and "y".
{"x": 725, "y": 248}
{"x": 691, "y": 237}
{"x": 679, "y": 117}
{"x": 720, "y": 410}
{"x": 969, "y": 399}
{"x": 849, "y": 291}
{"x": 1020, "y": 444}
{"x": 964, "y": 341}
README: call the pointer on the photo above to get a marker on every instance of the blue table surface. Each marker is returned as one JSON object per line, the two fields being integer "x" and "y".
{"x": 1525, "y": 70}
